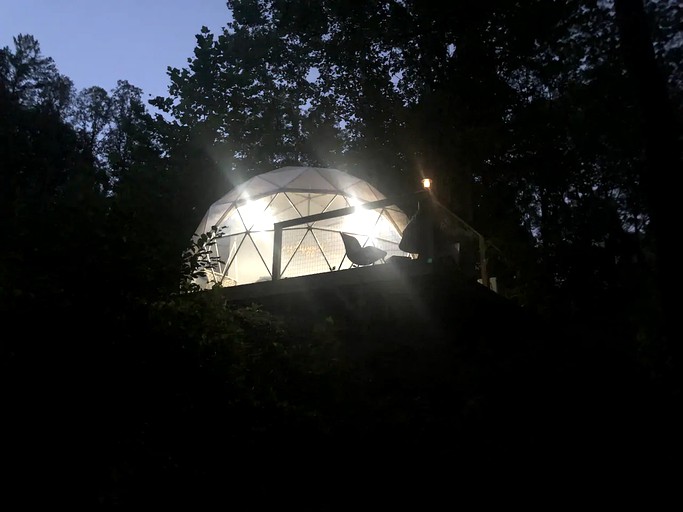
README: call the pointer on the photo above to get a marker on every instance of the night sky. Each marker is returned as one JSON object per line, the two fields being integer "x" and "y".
{"x": 97, "y": 42}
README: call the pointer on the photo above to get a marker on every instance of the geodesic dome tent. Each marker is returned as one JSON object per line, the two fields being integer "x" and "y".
{"x": 246, "y": 216}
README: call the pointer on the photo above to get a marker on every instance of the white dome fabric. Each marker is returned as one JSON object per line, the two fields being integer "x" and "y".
{"x": 247, "y": 213}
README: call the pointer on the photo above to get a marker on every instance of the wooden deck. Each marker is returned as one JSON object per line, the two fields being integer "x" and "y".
{"x": 374, "y": 275}
{"x": 401, "y": 281}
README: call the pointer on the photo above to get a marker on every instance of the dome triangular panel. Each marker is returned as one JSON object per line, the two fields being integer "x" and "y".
{"x": 307, "y": 259}
{"x": 339, "y": 179}
{"x": 249, "y": 266}
{"x": 216, "y": 214}
{"x": 281, "y": 177}
{"x": 363, "y": 191}
{"x": 258, "y": 186}
{"x": 311, "y": 180}
{"x": 233, "y": 195}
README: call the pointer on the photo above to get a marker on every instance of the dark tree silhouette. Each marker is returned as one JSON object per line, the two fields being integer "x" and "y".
{"x": 661, "y": 131}
{"x": 550, "y": 126}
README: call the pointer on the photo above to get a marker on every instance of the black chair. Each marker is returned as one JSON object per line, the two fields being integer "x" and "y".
{"x": 360, "y": 256}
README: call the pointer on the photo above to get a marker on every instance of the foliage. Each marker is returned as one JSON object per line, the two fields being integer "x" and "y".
{"x": 31, "y": 78}
{"x": 87, "y": 172}
{"x": 199, "y": 258}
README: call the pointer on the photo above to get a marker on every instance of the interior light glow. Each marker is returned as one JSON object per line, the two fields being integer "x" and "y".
{"x": 362, "y": 222}
{"x": 256, "y": 216}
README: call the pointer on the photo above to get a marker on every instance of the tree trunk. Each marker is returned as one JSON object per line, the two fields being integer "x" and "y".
{"x": 661, "y": 131}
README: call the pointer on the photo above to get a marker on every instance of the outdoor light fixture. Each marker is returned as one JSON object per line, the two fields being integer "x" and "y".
{"x": 427, "y": 183}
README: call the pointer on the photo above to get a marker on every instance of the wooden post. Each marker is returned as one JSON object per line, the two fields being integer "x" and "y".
{"x": 482, "y": 262}
{"x": 432, "y": 226}
{"x": 277, "y": 251}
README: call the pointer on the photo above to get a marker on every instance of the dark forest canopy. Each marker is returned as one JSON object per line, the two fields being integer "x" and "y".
{"x": 550, "y": 126}
{"x": 527, "y": 114}
{"x": 529, "y": 117}
{"x": 553, "y": 127}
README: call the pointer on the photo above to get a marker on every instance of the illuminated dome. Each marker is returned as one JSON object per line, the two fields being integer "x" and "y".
{"x": 247, "y": 213}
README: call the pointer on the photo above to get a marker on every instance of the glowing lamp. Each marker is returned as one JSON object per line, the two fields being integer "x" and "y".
{"x": 427, "y": 183}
